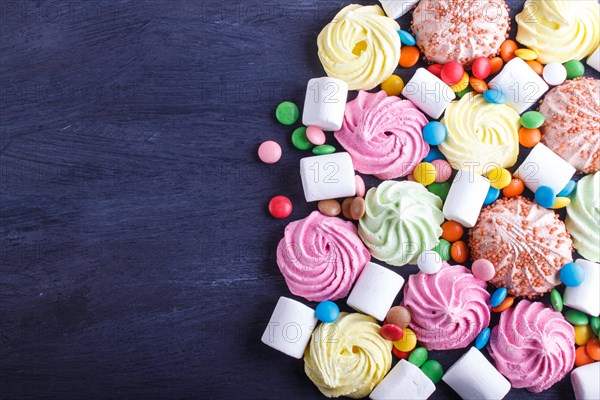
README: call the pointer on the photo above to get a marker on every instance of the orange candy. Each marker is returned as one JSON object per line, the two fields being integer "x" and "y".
{"x": 507, "y": 50}
{"x": 497, "y": 64}
{"x": 536, "y": 66}
{"x": 515, "y": 188}
{"x": 505, "y": 305}
{"x": 592, "y": 348}
{"x": 582, "y": 357}
{"x": 478, "y": 85}
{"x": 409, "y": 56}
{"x": 529, "y": 137}
{"x": 452, "y": 231}
{"x": 459, "y": 251}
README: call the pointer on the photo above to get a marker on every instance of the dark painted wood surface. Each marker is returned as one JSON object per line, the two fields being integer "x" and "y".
{"x": 138, "y": 260}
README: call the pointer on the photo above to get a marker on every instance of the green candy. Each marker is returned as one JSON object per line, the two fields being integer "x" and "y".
{"x": 595, "y": 324}
{"x": 418, "y": 356}
{"x": 323, "y": 149}
{"x": 299, "y": 139}
{"x": 576, "y": 318}
{"x": 287, "y": 113}
{"x": 443, "y": 249}
{"x": 433, "y": 369}
{"x": 440, "y": 189}
{"x": 464, "y": 91}
{"x": 556, "y": 300}
{"x": 574, "y": 68}
{"x": 532, "y": 119}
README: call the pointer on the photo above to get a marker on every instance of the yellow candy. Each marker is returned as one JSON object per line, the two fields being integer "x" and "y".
{"x": 561, "y": 202}
{"x": 461, "y": 85}
{"x": 424, "y": 173}
{"x": 499, "y": 177}
{"x": 393, "y": 85}
{"x": 583, "y": 333}
{"x": 526, "y": 54}
{"x": 408, "y": 341}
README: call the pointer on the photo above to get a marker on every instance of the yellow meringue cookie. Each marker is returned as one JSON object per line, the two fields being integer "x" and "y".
{"x": 360, "y": 46}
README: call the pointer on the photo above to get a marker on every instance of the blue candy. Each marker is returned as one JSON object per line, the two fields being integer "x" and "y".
{"x": 545, "y": 196}
{"x": 434, "y": 154}
{"x": 327, "y": 311}
{"x": 482, "y": 339}
{"x": 498, "y": 296}
{"x": 572, "y": 274}
{"x": 494, "y": 96}
{"x": 434, "y": 133}
{"x": 406, "y": 38}
{"x": 492, "y": 196}
{"x": 569, "y": 187}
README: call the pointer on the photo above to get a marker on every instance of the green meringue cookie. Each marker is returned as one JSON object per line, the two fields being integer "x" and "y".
{"x": 583, "y": 217}
{"x": 402, "y": 220}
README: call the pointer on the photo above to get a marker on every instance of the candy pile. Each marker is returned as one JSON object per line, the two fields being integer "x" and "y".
{"x": 445, "y": 146}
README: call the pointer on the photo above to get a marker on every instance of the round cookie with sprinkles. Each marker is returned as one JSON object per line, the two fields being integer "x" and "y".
{"x": 527, "y": 244}
{"x": 456, "y": 30}
{"x": 572, "y": 113}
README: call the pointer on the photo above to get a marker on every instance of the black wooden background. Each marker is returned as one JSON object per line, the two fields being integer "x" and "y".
{"x": 138, "y": 259}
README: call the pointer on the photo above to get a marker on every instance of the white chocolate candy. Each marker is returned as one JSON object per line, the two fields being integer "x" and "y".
{"x": 543, "y": 167}
{"x": 465, "y": 198}
{"x": 430, "y": 262}
{"x": 554, "y": 74}
{"x": 585, "y": 297}
{"x": 397, "y": 8}
{"x": 594, "y": 59}
{"x": 375, "y": 290}
{"x": 474, "y": 377}
{"x": 429, "y": 93}
{"x": 586, "y": 382}
{"x": 325, "y": 103}
{"x": 405, "y": 381}
{"x": 290, "y": 327}
{"x": 520, "y": 84}
{"x": 329, "y": 176}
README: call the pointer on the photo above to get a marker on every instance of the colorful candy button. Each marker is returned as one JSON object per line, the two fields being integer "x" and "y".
{"x": 491, "y": 196}
{"x": 452, "y": 231}
{"x": 269, "y": 152}
{"x": 393, "y": 85}
{"x": 409, "y": 56}
{"x": 331, "y": 207}
{"x": 434, "y": 154}
{"x": 398, "y": 315}
{"x": 280, "y": 207}
{"x": 582, "y": 357}
{"x": 575, "y": 69}
{"x": 315, "y": 135}
{"x": 583, "y": 333}
{"x": 483, "y": 269}
{"x": 434, "y": 370}
{"x": 568, "y": 189}
{"x": 535, "y": 66}
{"x": 515, "y": 188}
{"x": 529, "y": 137}
{"x": 424, "y": 173}
{"x": 482, "y": 339}
{"x": 505, "y": 305}
{"x": 556, "y": 300}
{"x": 554, "y": 74}
{"x": 497, "y": 64}
{"x": 360, "y": 186}
{"x": 323, "y": 149}
{"x": 300, "y": 140}
{"x": 478, "y": 85}
{"x": 406, "y": 38}
{"x": 545, "y": 196}
{"x": 592, "y": 348}
{"x": 507, "y": 50}
{"x": 532, "y": 119}
{"x": 461, "y": 85}
{"x": 443, "y": 249}
{"x": 561, "y": 202}
{"x": 526, "y": 54}
{"x": 494, "y": 96}
{"x": 499, "y": 177}
{"x": 443, "y": 170}
{"x": 482, "y": 67}
{"x": 403, "y": 355}
{"x": 498, "y": 296}
{"x": 435, "y": 69}
{"x": 595, "y": 325}
{"x": 418, "y": 356}
{"x": 572, "y": 274}
{"x": 408, "y": 341}
{"x": 451, "y": 73}
{"x": 391, "y": 332}
{"x": 287, "y": 113}
{"x": 440, "y": 189}
{"x": 429, "y": 262}
{"x": 459, "y": 251}
{"x": 576, "y": 318}
{"x": 434, "y": 133}
{"x": 327, "y": 311}
{"x": 466, "y": 90}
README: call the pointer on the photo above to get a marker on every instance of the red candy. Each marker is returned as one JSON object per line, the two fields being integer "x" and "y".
{"x": 482, "y": 67}
{"x": 436, "y": 69}
{"x": 452, "y": 73}
{"x": 280, "y": 207}
{"x": 391, "y": 332}
{"x": 403, "y": 355}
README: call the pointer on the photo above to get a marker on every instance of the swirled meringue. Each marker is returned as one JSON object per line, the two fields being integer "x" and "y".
{"x": 559, "y": 30}
{"x": 383, "y": 135}
{"x": 348, "y": 357}
{"x": 402, "y": 219}
{"x": 448, "y": 309}
{"x": 533, "y": 346}
{"x": 480, "y": 134}
{"x": 321, "y": 257}
{"x": 360, "y": 46}
{"x": 583, "y": 217}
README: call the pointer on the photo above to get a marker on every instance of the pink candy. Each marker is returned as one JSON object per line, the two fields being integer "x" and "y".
{"x": 315, "y": 135}
{"x": 360, "y": 186}
{"x": 443, "y": 170}
{"x": 269, "y": 152}
{"x": 483, "y": 269}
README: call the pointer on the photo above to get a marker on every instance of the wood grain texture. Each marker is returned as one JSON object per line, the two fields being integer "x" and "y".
{"x": 137, "y": 256}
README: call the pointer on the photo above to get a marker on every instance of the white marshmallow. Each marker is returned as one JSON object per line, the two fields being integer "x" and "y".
{"x": 465, "y": 198}
{"x": 397, "y": 8}
{"x": 520, "y": 84}
{"x": 594, "y": 59}
{"x": 585, "y": 297}
{"x": 290, "y": 327}
{"x": 375, "y": 290}
{"x": 429, "y": 93}
{"x": 329, "y": 176}
{"x": 474, "y": 377}
{"x": 405, "y": 381}
{"x": 325, "y": 103}
{"x": 586, "y": 382}
{"x": 543, "y": 167}
{"x": 430, "y": 262}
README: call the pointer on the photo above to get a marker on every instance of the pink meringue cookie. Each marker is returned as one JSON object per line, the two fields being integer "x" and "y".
{"x": 321, "y": 257}
{"x": 533, "y": 346}
{"x": 383, "y": 135}
{"x": 448, "y": 308}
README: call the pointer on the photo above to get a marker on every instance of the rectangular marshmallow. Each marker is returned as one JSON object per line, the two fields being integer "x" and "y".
{"x": 397, "y": 8}
{"x": 405, "y": 381}
{"x": 585, "y": 297}
{"x": 375, "y": 290}
{"x": 474, "y": 377}
{"x": 594, "y": 59}
{"x": 325, "y": 103}
{"x": 586, "y": 382}
{"x": 543, "y": 167}
{"x": 465, "y": 198}
{"x": 329, "y": 176}
{"x": 520, "y": 84}
{"x": 429, "y": 93}
{"x": 290, "y": 327}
